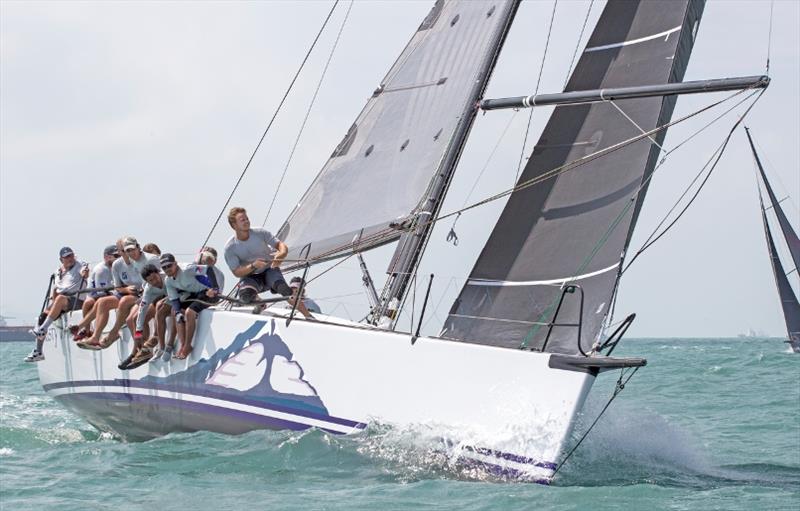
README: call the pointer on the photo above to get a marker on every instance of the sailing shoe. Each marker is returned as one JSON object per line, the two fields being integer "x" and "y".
{"x": 167, "y": 355}
{"x": 35, "y": 356}
{"x": 124, "y": 364}
{"x": 157, "y": 353}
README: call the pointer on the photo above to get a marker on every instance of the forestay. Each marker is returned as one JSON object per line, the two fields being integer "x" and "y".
{"x": 574, "y": 228}
{"x": 379, "y": 173}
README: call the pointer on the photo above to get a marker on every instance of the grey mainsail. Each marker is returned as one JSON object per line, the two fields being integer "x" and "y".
{"x": 576, "y": 226}
{"x": 789, "y": 235}
{"x": 379, "y": 174}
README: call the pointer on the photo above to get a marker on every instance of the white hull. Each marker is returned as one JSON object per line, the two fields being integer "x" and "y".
{"x": 505, "y": 410}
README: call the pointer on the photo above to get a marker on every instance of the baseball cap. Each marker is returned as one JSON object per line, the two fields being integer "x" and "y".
{"x": 166, "y": 259}
{"x": 65, "y": 251}
{"x": 296, "y": 282}
{"x": 111, "y": 250}
{"x": 129, "y": 242}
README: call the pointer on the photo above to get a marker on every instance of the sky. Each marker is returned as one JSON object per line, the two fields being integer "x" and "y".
{"x": 137, "y": 118}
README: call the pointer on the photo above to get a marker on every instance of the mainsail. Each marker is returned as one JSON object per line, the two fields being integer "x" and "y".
{"x": 789, "y": 302}
{"x": 377, "y": 177}
{"x": 574, "y": 228}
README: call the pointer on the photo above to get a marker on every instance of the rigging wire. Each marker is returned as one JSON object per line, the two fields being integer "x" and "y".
{"x": 601, "y": 242}
{"x": 538, "y": 82}
{"x": 272, "y": 120}
{"x": 716, "y": 156}
{"x": 619, "y": 387}
{"x": 578, "y": 44}
{"x": 308, "y": 113}
{"x": 392, "y": 232}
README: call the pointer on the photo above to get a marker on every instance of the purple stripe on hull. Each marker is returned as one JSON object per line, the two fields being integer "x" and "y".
{"x": 206, "y": 393}
{"x": 512, "y": 457}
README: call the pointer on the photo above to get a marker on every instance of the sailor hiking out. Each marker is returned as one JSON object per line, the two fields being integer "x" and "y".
{"x": 69, "y": 278}
{"x": 190, "y": 290}
{"x": 126, "y": 274}
{"x": 152, "y": 304}
{"x": 254, "y": 256}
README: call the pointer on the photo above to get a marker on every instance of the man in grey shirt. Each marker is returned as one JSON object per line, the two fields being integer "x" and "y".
{"x": 126, "y": 273}
{"x": 99, "y": 278}
{"x": 255, "y": 256}
{"x": 70, "y": 278}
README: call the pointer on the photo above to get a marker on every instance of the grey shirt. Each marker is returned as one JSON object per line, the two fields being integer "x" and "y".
{"x": 70, "y": 281}
{"x": 151, "y": 295}
{"x": 100, "y": 277}
{"x": 260, "y": 245}
{"x": 194, "y": 278}
{"x": 125, "y": 274}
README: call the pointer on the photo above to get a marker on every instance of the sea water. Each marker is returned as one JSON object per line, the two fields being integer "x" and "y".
{"x": 708, "y": 424}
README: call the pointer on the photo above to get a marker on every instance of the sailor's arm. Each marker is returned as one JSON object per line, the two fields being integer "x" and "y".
{"x": 246, "y": 269}
{"x": 280, "y": 254}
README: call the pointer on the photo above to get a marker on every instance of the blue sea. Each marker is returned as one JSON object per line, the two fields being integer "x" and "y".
{"x": 708, "y": 424}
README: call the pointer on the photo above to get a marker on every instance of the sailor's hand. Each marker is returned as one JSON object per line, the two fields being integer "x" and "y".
{"x": 276, "y": 259}
{"x": 132, "y": 290}
{"x": 180, "y": 318}
{"x": 260, "y": 264}
{"x": 84, "y": 272}
{"x": 211, "y": 293}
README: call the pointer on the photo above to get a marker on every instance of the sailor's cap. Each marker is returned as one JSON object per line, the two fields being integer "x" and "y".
{"x": 129, "y": 242}
{"x": 65, "y": 252}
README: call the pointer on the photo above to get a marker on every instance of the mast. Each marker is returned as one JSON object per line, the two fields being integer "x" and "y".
{"x": 412, "y": 243}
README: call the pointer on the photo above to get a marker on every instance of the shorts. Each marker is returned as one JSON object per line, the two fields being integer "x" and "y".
{"x": 198, "y": 302}
{"x": 73, "y": 304}
{"x": 271, "y": 280}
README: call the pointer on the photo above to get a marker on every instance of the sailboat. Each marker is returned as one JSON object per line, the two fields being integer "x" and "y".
{"x": 789, "y": 303}
{"x": 508, "y": 375}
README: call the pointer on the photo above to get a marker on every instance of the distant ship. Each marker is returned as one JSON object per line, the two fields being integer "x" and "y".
{"x": 754, "y": 334}
{"x": 13, "y": 333}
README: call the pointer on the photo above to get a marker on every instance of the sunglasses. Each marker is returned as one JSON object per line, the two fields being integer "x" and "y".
{"x": 166, "y": 266}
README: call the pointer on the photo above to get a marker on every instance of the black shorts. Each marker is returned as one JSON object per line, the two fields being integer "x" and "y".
{"x": 271, "y": 280}
{"x": 198, "y": 302}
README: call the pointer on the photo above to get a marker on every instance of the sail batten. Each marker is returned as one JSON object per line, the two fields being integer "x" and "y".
{"x": 380, "y": 173}
{"x": 579, "y": 223}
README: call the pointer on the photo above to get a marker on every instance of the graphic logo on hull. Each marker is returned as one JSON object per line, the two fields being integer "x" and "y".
{"x": 256, "y": 366}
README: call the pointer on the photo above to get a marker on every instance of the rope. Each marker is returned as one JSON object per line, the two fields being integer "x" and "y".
{"x": 601, "y": 242}
{"x": 718, "y": 153}
{"x": 538, "y": 82}
{"x": 578, "y": 44}
{"x": 269, "y": 125}
{"x": 308, "y": 113}
{"x": 554, "y": 172}
{"x": 452, "y": 236}
{"x": 619, "y": 387}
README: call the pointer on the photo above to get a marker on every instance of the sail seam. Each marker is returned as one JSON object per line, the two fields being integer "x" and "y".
{"x": 633, "y": 41}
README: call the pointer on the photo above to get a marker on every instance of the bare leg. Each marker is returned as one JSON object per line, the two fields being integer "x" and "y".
{"x": 88, "y": 307}
{"x": 191, "y": 324}
{"x": 125, "y": 305}
{"x": 104, "y": 306}
{"x": 162, "y": 313}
